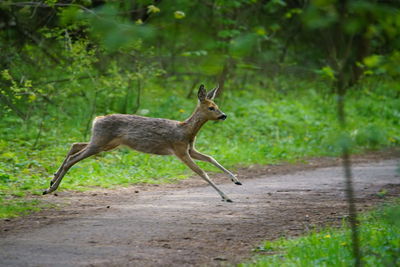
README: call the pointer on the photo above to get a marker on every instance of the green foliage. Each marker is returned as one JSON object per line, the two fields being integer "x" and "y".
{"x": 327, "y": 73}
{"x": 113, "y": 31}
{"x": 10, "y": 209}
{"x": 379, "y": 238}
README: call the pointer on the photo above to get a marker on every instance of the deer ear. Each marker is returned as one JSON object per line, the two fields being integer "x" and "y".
{"x": 211, "y": 95}
{"x": 202, "y": 94}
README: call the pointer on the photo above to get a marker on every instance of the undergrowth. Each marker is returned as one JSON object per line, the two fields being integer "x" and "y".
{"x": 264, "y": 125}
{"x": 379, "y": 241}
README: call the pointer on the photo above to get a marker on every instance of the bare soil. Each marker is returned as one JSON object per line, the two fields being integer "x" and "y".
{"x": 186, "y": 224}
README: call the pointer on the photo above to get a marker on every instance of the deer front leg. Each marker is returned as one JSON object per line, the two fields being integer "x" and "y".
{"x": 185, "y": 158}
{"x": 199, "y": 156}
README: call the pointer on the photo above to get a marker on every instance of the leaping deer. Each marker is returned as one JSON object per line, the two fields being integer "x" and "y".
{"x": 150, "y": 135}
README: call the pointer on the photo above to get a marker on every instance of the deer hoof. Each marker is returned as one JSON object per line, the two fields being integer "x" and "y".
{"x": 238, "y": 183}
{"x": 227, "y": 200}
{"x": 45, "y": 192}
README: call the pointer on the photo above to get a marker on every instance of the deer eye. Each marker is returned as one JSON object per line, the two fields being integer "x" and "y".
{"x": 211, "y": 108}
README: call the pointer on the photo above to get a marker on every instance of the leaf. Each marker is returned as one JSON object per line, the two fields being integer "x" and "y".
{"x": 31, "y": 97}
{"x": 6, "y": 75}
{"x": 69, "y": 15}
{"x": 327, "y": 73}
{"x": 373, "y": 61}
{"x": 195, "y": 53}
{"x": 260, "y": 31}
{"x": 152, "y": 9}
{"x": 51, "y": 3}
{"x": 179, "y": 14}
{"x": 4, "y": 177}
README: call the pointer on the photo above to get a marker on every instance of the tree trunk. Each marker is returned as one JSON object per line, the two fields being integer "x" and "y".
{"x": 342, "y": 86}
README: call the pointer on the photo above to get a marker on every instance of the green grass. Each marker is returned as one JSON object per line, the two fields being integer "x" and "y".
{"x": 379, "y": 240}
{"x": 9, "y": 209}
{"x": 264, "y": 125}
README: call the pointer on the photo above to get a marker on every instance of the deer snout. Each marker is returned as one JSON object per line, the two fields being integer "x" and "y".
{"x": 222, "y": 117}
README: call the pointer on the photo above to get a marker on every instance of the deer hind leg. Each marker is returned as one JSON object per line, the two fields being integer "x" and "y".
{"x": 186, "y": 159}
{"x": 88, "y": 151}
{"x": 199, "y": 156}
{"x": 75, "y": 148}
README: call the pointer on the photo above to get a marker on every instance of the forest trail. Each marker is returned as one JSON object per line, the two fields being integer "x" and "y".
{"x": 191, "y": 226}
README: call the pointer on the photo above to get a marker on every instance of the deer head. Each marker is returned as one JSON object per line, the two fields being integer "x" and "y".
{"x": 207, "y": 106}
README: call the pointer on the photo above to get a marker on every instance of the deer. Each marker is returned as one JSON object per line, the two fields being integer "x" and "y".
{"x": 151, "y": 135}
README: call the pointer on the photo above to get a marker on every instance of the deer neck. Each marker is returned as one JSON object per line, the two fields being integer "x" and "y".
{"x": 194, "y": 123}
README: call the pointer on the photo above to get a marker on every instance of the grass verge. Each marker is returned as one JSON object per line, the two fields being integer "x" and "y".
{"x": 379, "y": 239}
{"x": 18, "y": 207}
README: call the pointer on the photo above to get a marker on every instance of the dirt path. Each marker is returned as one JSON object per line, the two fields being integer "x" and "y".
{"x": 190, "y": 226}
